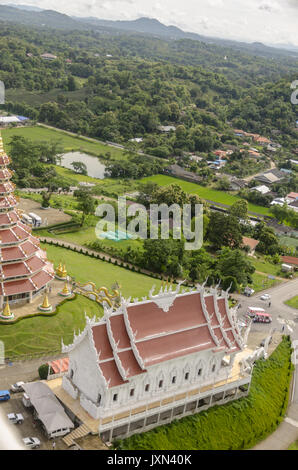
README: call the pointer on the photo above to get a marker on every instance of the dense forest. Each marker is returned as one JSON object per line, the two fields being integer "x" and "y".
{"x": 118, "y": 87}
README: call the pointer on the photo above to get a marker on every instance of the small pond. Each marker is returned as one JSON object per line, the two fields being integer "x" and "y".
{"x": 95, "y": 168}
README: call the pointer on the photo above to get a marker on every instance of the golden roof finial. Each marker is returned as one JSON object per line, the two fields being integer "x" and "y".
{"x": 6, "y": 311}
{"x": 64, "y": 271}
{"x": 46, "y": 304}
{"x": 65, "y": 290}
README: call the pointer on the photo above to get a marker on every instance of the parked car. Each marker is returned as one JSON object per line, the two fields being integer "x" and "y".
{"x": 265, "y": 297}
{"x": 4, "y": 395}
{"x": 31, "y": 442}
{"x": 248, "y": 291}
{"x": 17, "y": 387}
{"x": 15, "y": 418}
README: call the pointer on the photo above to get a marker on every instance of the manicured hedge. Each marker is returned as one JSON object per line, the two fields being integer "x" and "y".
{"x": 236, "y": 425}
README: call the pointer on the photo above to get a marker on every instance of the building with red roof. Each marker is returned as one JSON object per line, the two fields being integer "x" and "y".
{"x": 151, "y": 361}
{"x": 24, "y": 269}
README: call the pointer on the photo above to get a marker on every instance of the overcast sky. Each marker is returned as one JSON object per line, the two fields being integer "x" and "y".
{"x": 269, "y": 21}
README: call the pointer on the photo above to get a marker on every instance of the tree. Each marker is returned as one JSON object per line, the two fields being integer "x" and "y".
{"x": 224, "y": 230}
{"x": 239, "y": 209}
{"x": 79, "y": 167}
{"x": 164, "y": 256}
{"x": 236, "y": 264}
{"x": 86, "y": 203}
{"x": 46, "y": 197}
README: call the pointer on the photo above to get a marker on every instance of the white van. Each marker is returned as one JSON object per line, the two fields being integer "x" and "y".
{"x": 27, "y": 220}
{"x": 36, "y": 219}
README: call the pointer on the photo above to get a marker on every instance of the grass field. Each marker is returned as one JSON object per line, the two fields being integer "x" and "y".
{"x": 85, "y": 235}
{"x": 266, "y": 267}
{"x": 85, "y": 268}
{"x": 43, "y": 334}
{"x": 293, "y": 302}
{"x": 237, "y": 425}
{"x": 204, "y": 192}
{"x": 261, "y": 282}
{"x": 69, "y": 143}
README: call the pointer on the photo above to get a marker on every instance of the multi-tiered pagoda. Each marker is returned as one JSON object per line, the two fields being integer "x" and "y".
{"x": 24, "y": 268}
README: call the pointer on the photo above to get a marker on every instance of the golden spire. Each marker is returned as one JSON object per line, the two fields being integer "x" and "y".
{"x": 64, "y": 271}
{"x": 46, "y": 304}
{"x": 65, "y": 290}
{"x": 6, "y": 311}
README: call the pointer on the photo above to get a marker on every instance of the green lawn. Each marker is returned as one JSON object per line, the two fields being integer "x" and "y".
{"x": 69, "y": 143}
{"x": 85, "y": 235}
{"x": 235, "y": 426}
{"x": 261, "y": 282}
{"x": 85, "y": 268}
{"x": 204, "y": 192}
{"x": 293, "y": 302}
{"x": 265, "y": 267}
{"x": 41, "y": 335}
{"x": 294, "y": 446}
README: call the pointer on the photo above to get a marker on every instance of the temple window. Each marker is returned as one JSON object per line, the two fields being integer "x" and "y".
{"x": 132, "y": 392}
{"x": 186, "y": 376}
{"x": 199, "y": 372}
{"x": 174, "y": 379}
{"x": 147, "y": 386}
{"x": 213, "y": 368}
{"x": 115, "y": 397}
{"x": 160, "y": 384}
{"x": 99, "y": 399}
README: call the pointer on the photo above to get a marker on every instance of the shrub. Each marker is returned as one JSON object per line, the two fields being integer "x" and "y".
{"x": 43, "y": 371}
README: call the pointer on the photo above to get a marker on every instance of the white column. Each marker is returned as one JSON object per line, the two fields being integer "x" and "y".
{"x": 30, "y": 297}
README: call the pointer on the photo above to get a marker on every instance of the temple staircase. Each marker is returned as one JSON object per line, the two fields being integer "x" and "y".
{"x": 81, "y": 431}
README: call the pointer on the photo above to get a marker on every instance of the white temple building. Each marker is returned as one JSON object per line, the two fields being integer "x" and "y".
{"x": 148, "y": 362}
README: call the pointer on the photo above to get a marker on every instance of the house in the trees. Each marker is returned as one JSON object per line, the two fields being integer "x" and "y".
{"x": 149, "y": 362}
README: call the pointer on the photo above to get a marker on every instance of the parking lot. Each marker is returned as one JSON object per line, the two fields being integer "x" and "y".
{"x": 29, "y": 427}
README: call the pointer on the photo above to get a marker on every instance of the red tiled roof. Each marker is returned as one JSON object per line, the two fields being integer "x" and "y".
{"x": 4, "y": 159}
{"x": 290, "y": 260}
{"x": 161, "y": 336}
{"x": 251, "y": 242}
{"x": 35, "y": 263}
{"x": 111, "y": 373}
{"x": 149, "y": 320}
{"x": 6, "y": 187}
{"x": 28, "y": 248}
{"x": 41, "y": 279}
{"x": 179, "y": 344}
{"x": 15, "y": 269}
{"x": 18, "y": 287}
{"x": 60, "y": 365}
{"x": 102, "y": 343}
{"x": 119, "y": 331}
{"x": 12, "y": 253}
{"x": 5, "y": 174}
{"x": 130, "y": 363}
